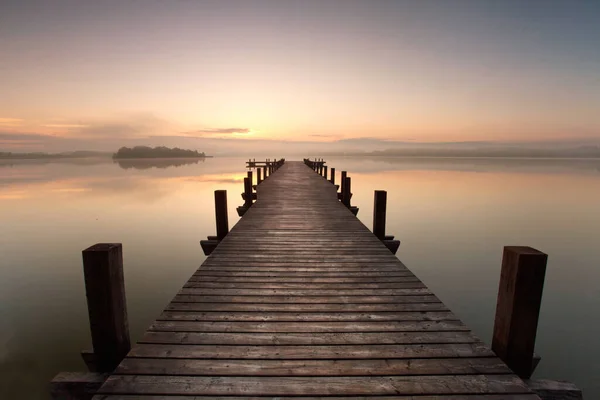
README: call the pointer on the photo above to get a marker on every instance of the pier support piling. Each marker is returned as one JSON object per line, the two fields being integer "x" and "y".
{"x": 221, "y": 216}
{"x": 332, "y": 180}
{"x": 518, "y": 307}
{"x": 379, "y": 210}
{"x": 346, "y": 190}
{"x": 107, "y": 308}
{"x": 222, "y": 221}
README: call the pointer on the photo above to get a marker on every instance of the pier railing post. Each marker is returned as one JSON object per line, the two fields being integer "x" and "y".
{"x": 107, "y": 308}
{"x": 247, "y": 192}
{"x": 346, "y": 192}
{"x": 258, "y": 176}
{"x": 325, "y": 171}
{"x": 265, "y": 172}
{"x": 379, "y": 210}
{"x": 221, "y": 214}
{"x": 332, "y": 180}
{"x": 518, "y": 307}
{"x": 342, "y": 182}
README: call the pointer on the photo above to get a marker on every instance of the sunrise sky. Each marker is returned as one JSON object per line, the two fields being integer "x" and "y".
{"x": 81, "y": 74}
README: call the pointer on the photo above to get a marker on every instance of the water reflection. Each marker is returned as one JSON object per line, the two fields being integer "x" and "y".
{"x": 156, "y": 162}
{"x": 452, "y": 215}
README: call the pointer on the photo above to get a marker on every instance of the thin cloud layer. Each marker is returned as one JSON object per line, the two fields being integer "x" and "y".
{"x": 218, "y": 132}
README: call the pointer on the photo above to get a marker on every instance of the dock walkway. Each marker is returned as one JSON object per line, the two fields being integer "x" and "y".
{"x": 301, "y": 300}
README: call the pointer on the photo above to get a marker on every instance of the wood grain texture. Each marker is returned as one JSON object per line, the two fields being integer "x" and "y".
{"x": 300, "y": 300}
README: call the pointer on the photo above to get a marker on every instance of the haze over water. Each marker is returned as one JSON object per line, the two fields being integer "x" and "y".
{"x": 453, "y": 217}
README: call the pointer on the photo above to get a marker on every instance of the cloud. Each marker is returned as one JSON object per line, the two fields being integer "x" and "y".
{"x": 219, "y": 132}
{"x": 119, "y": 127}
{"x": 318, "y": 135}
{"x": 10, "y": 121}
{"x": 66, "y": 126}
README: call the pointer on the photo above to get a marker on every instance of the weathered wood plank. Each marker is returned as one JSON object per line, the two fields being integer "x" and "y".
{"x": 311, "y": 386}
{"x": 434, "y": 366}
{"x": 430, "y": 298}
{"x": 306, "y": 317}
{"x": 306, "y": 307}
{"x": 273, "y": 327}
{"x": 312, "y": 352}
{"x": 323, "y": 338}
{"x": 505, "y": 396}
{"x": 309, "y": 286}
{"x": 304, "y": 292}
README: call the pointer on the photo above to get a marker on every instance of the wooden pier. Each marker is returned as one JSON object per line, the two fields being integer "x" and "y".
{"x": 301, "y": 300}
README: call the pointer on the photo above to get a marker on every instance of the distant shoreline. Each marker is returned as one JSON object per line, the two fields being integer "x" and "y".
{"x": 161, "y": 158}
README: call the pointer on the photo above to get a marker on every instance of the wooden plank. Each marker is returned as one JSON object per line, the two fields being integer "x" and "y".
{"x": 309, "y": 286}
{"x": 274, "y": 327}
{"x": 306, "y": 317}
{"x": 76, "y": 385}
{"x": 305, "y": 280}
{"x": 292, "y": 274}
{"x": 304, "y": 292}
{"x": 323, "y": 338}
{"x": 315, "y": 386}
{"x": 211, "y": 367}
{"x": 505, "y": 396}
{"x": 307, "y": 352}
{"x": 306, "y": 307}
{"x": 430, "y": 298}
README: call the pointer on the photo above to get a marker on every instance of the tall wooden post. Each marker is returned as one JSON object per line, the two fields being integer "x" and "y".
{"x": 379, "y": 209}
{"x": 247, "y": 192}
{"x": 332, "y": 180}
{"x": 518, "y": 307}
{"x": 258, "y": 176}
{"x": 325, "y": 171}
{"x": 265, "y": 172}
{"x": 343, "y": 181}
{"x": 107, "y": 307}
{"x": 346, "y": 192}
{"x": 221, "y": 214}
{"x": 251, "y": 179}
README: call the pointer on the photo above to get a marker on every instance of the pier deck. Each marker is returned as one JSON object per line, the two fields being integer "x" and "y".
{"x": 301, "y": 300}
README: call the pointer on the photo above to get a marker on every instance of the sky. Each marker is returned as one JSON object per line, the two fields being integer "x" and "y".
{"x": 78, "y": 74}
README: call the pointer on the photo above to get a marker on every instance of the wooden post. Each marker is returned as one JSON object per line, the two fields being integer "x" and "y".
{"x": 247, "y": 192}
{"x": 325, "y": 171}
{"x": 107, "y": 307}
{"x": 265, "y": 172}
{"x": 343, "y": 181}
{"x": 346, "y": 192}
{"x": 221, "y": 214}
{"x": 518, "y": 307}
{"x": 379, "y": 209}
{"x": 251, "y": 179}
{"x": 332, "y": 180}
{"x": 258, "y": 176}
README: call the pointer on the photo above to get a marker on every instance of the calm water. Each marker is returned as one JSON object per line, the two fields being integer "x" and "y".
{"x": 452, "y": 216}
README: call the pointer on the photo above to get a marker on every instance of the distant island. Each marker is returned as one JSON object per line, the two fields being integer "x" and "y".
{"x": 156, "y": 152}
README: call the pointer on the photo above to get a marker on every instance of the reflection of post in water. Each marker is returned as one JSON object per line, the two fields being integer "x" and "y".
{"x": 148, "y": 163}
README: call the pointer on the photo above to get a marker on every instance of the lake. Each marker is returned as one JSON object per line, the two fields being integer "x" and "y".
{"x": 453, "y": 216}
